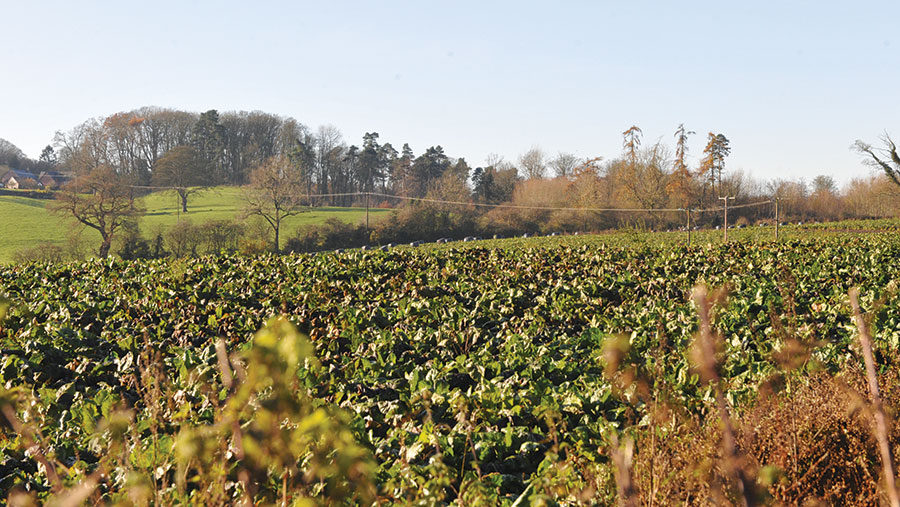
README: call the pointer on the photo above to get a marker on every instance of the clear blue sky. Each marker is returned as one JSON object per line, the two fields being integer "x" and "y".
{"x": 791, "y": 83}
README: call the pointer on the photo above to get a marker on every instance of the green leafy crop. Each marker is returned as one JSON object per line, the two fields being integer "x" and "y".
{"x": 472, "y": 374}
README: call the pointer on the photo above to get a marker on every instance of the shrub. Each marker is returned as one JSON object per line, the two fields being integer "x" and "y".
{"x": 333, "y": 233}
{"x": 133, "y": 246}
{"x": 183, "y": 239}
{"x": 222, "y": 235}
{"x": 425, "y": 222}
{"x": 43, "y": 252}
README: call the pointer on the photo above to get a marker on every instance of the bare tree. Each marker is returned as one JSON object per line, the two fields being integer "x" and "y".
{"x": 10, "y": 154}
{"x": 533, "y": 163}
{"x": 274, "y": 193}
{"x": 100, "y": 199}
{"x": 885, "y": 158}
{"x": 564, "y": 165}
{"x": 823, "y": 184}
{"x": 185, "y": 169}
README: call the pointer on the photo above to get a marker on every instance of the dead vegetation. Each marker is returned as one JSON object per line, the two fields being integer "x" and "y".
{"x": 818, "y": 439}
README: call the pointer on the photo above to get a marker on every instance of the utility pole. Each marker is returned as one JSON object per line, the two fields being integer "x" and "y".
{"x": 776, "y": 219}
{"x": 368, "y": 191}
{"x": 689, "y": 225}
{"x": 726, "y": 214}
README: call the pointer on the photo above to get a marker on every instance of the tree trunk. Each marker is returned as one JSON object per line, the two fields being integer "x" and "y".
{"x": 105, "y": 246}
{"x": 277, "y": 226}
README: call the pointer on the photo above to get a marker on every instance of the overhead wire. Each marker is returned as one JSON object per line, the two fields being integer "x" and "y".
{"x": 504, "y": 206}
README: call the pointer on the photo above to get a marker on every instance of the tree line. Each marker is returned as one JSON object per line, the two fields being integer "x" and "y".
{"x": 286, "y": 165}
{"x": 154, "y": 146}
{"x": 165, "y": 147}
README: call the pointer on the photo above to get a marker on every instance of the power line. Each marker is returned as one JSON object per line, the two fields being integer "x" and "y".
{"x": 518, "y": 206}
{"x": 504, "y": 206}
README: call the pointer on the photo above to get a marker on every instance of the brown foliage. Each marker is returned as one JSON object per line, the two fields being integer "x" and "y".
{"x": 812, "y": 445}
{"x": 819, "y": 441}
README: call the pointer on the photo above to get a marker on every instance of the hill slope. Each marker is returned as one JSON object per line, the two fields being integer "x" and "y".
{"x": 27, "y": 223}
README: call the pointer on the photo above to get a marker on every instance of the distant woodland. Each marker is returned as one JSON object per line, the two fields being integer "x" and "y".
{"x": 155, "y": 147}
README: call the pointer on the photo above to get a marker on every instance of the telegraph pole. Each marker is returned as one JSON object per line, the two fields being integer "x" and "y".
{"x": 776, "y": 219}
{"x": 689, "y": 225}
{"x": 726, "y": 214}
{"x": 368, "y": 192}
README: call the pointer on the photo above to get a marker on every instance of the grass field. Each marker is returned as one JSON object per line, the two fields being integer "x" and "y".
{"x": 27, "y": 222}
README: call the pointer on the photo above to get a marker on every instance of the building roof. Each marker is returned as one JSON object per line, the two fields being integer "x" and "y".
{"x": 55, "y": 175}
{"x": 18, "y": 175}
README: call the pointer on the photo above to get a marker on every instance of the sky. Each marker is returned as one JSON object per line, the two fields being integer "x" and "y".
{"x": 792, "y": 84}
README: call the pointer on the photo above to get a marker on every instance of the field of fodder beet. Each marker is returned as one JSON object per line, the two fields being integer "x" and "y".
{"x": 544, "y": 372}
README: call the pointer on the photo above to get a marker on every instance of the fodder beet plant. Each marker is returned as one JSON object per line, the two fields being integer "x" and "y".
{"x": 539, "y": 373}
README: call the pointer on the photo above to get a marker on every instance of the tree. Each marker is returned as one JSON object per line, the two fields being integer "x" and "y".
{"x": 274, "y": 193}
{"x": 494, "y": 184}
{"x": 371, "y": 164}
{"x": 183, "y": 168}
{"x": 48, "y": 156}
{"x": 564, "y": 165}
{"x": 532, "y": 163}
{"x": 427, "y": 168}
{"x": 885, "y": 158}
{"x": 328, "y": 143}
{"x": 713, "y": 163}
{"x": 632, "y": 143}
{"x": 824, "y": 202}
{"x": 680, "y": 184}
{"x": 823, "y": 184}
{"x": 401, "y": 171}
{"x": 10, "y": 154}
{"x": 208, "y": 136}
{"x": 303, "y": 156}
{"x": 102, "y": 200}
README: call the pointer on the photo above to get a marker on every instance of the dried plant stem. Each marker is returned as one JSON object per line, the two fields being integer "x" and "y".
{"x": 621, "y": 456}
{"x": 881, "y": 425}
{"x": 707, "y": 360}
{"x": 28, "y": 439}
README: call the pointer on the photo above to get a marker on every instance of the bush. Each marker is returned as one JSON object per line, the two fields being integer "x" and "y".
{"x": 183, "y": 239}
{"x": 221, "y": 235}
{"x": 333, "y": 233}
{"x": 425, "y": 222}
{"x": 133, "y": 246}
{"x": 255, "y": 239}
{"x": 43, "y": 252}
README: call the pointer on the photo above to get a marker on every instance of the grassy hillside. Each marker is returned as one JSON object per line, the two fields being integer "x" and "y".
{"x": 27, "y": 222}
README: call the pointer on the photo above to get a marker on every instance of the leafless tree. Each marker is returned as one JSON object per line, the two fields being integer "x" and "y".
{"x": 533, "y": 163}
{"x": 564, "y": 165}
{"x": 100, "y": 199}
{"x": 185, "y": 170}
{"x": 885, "y": 158}
{"x": 274, "y": 193}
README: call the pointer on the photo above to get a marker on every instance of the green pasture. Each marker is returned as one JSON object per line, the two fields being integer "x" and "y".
{"x": 27, "y": 222}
